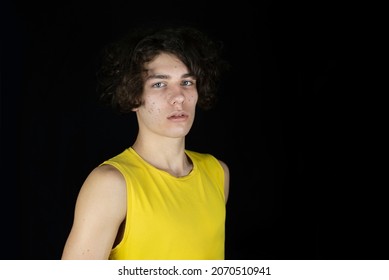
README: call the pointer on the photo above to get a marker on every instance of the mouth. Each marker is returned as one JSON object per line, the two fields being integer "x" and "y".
{"x": 178, "y": 116}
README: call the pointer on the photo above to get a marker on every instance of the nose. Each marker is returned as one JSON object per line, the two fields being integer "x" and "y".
{"x": 177, "y": 96}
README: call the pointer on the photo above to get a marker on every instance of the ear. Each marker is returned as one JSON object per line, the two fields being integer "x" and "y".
{"x": 135, "y": 109}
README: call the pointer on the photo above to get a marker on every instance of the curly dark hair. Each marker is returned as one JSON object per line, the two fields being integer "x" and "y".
{"x": 121, "y": 74}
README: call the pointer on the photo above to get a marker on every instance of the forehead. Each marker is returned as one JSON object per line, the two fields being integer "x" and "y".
{"x": 165, "y": 61}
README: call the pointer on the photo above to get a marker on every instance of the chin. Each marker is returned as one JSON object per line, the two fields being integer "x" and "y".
{"x": 177, "y": 133}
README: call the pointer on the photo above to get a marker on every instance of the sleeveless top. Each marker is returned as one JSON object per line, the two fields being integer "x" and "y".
{"x": 170, "y": 218}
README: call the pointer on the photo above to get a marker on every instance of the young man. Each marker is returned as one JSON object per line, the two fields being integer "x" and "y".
{"x": 156, "y": 200}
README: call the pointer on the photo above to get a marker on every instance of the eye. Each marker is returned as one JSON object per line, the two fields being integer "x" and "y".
{"x": 187, "y": 83}
{"x": 158, "y": 85}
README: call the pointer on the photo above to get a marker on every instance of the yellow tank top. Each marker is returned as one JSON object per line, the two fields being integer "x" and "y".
{"x": 170, "y": 218}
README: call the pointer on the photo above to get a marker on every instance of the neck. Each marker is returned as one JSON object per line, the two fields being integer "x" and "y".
{"x": 168, "y": 156}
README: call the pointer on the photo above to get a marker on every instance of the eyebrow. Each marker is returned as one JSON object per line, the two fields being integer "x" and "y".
{"x": 164, "y": 76}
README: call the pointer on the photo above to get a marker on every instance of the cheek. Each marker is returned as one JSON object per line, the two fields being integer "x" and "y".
{"x": 192, "y": 98}
{"x": 153, "y": 110}
{"x": 150, "y": 107}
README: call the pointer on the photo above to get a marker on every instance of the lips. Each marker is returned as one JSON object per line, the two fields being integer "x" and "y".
{"x": 178, "y": 116}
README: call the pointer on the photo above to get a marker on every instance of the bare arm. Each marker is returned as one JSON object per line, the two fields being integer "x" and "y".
{"x": 100, "y": 210}
{"x": 226, "y": 179}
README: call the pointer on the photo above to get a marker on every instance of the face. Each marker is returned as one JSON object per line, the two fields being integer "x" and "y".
{"x": 169, "y": 98}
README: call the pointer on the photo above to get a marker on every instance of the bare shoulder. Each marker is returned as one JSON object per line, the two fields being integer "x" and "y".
{"x": 104, "y": 187}
{"x": 99, "y": 212}
{"x": 105, "y": 176}
{"x": 226, "y": 179}
{"x": 224, "y": 165}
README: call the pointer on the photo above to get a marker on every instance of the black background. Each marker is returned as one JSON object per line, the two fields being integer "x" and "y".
{"x": 274, "y": 125}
